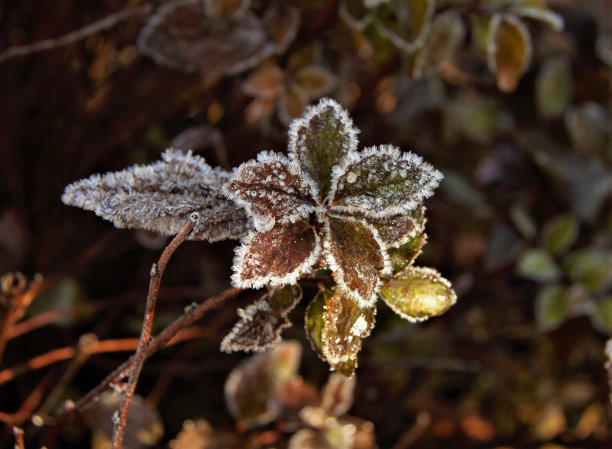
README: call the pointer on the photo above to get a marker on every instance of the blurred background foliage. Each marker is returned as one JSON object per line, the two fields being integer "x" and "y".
{"x": 511, "y": 99}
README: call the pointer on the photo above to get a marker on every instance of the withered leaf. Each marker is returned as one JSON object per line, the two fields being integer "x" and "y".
{"x": 181, "y": 35}
{"x": 443, "y": 40}
{"x": 345, "y": 323}
{"x": 405, "y": 22}
{"x": 319, "y": 140}
{"x": 418, "y": 293}
{"x": 291, "y": 103}
{"x": 271, "y": 189}
{"x": 338, "y": 394}
{"x": 265, "y": 82}
{"x": 282, "y": 22}
{"x": 262, "y": 322}
{"x": 161, "y": 196}
{"x": 144, "y": 426}
{"x": 276, "y": 257}
{"x": 398, "y": 229}
{"x": 382, "y": 181}
{"x": 355, "y": 253}
{"x": 508, "y": 50}
{"x": 251, "y": 388}
{"x": 314, "y": 80}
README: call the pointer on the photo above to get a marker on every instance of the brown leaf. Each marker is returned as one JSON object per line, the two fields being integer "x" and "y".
{"x": 262, "y": 322}
{"x": 277, "y": 257}
{"x": 291, "y": 103}
{"x": 315, "y": 81}
{"x": 282, "y": 22}
{"x": 344, "y": 325}
{"x": 508, "y": 50}
{"x": 355, "y": 254}
{"x": 265, "y": 82}
{"x": 251, "y": 390}
{"x": 338, "y": 394}
{"x": 182, "y": 36}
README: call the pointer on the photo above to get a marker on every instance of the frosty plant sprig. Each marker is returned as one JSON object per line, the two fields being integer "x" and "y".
{"x": 353, "y": 221}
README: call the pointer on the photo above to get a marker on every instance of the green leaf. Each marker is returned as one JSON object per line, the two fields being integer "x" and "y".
{"x": 262, "y": 322}
{"x": 444, "y": 38}
{"x": 537, "y": 264}
{"x": 418, "y": 293}
{"x": 601, "y": 314}
{"x": 591, "y": 267}
{"x": 345, "y": 323}
{"x": 277, "y": 257}
{"x": 405, "y": 22}
{"x": 537, "y": 10}
{"x": 554, "y": 87}
{"x": 313, "y": 321}
{"x": 523, "y": 221}
{"x": 319, "y": 141}
{"x": 560, "y": 233}
{"x": 589, "y": 128}
{"x": 251, "y": 388}
{"x": 404, "y": 256}
{"x": 508, "y": 50}
{"x": 382, "y": 181}
{"x": 552, "y": 307}
{"x": 355, "y": 254}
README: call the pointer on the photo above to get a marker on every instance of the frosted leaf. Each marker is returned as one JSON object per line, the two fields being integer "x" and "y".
{"x": 282, "y": 22}
{"x": 258, "y": 328}
{"x": 262, "y": 322}
{"x": 382, "y": 181}
{"x": 181, "y": 35}
{"x": 355, "y": 254}
{"x": 509, "y": 50}
{"x": 357, "y": 14}
{"x": 313, "y": 321}
{"x": 251, "y": 389}
{"x": 403, "y": 256}
{"x": 338, "y": 394}
{"x": 345, "y": 323}
{"x": 319, "y": 140}
{"x": 161, "y": 196}
{"x": 277, "y": 257}
{"x": 397, "y": 229}
{"x": 271, "y": 189}
{"x": 418, "y": 294}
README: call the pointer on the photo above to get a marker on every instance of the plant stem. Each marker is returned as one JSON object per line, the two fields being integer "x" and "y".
{"x": 157, "y": 271}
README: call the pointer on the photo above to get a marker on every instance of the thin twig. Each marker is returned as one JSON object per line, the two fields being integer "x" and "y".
{"x": 74, "y": 36}
{"x": 157, "y": 271}
{"x": 18, "y": 432}
{"x": 191, "y": 315}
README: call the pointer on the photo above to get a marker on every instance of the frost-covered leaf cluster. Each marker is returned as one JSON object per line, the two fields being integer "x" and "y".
{"x": 327, "y": 205}
{"x": 161, "y": 196}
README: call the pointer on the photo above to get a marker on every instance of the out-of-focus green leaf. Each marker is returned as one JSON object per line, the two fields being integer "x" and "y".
{"x": 503, "y": 246}
{"x": 251, "y": 388}
{"x": 461, "y": 192}
{"x": 405, "y": 22}
{"x": 443, "y": 40}
{"x": 560, "y": 233}
{"x": 538, "y": 10}
{"x": 508, "y": 50}
{"x": 601, "y": 314}
{"x": 603, "y": 48}
{"x": 554, "y": 87}
{"x": 537, "y": 264}
{"x": 63, "y": 295}
{"x": 589, "y": 127}
{"x": 418, "y": 293}
{"x": 591, "y": 267}
{"x": 473, "y": 116}
{"x": 551, "y": 307}
{"x": 523, "y": 221}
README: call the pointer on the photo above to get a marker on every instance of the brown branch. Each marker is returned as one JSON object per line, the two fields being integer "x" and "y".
{"x": 191, "y": 314}
{"x": 74, "y": 36}
{"x": 157, "y": 271}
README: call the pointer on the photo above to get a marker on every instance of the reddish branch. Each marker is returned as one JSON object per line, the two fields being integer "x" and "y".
{"x": 157, "y": 271}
